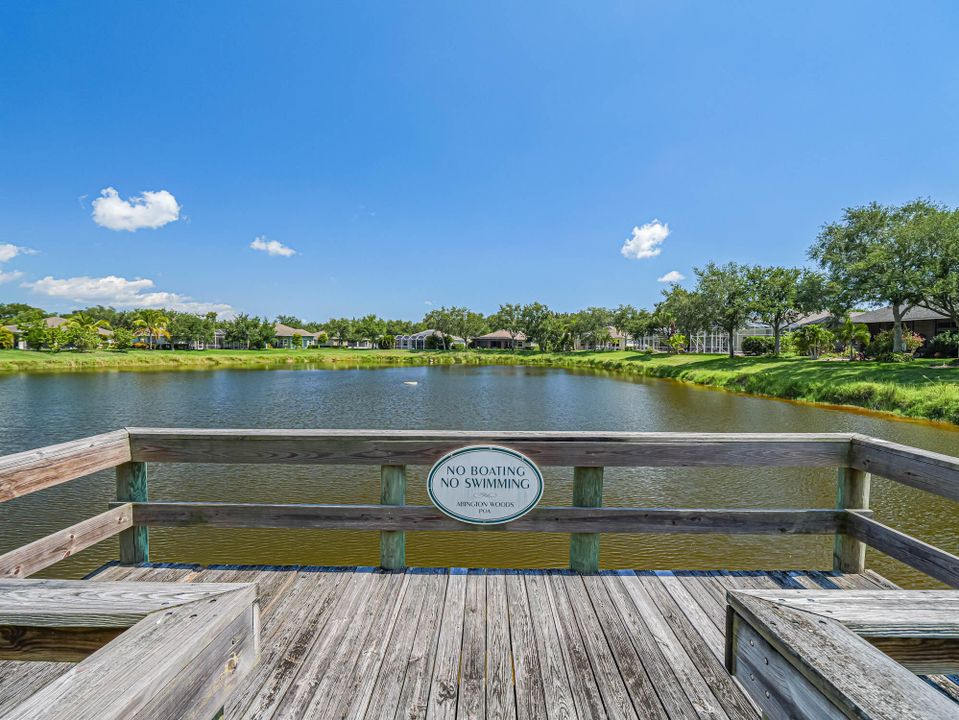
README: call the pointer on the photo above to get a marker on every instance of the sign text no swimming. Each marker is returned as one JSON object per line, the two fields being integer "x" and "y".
{"x": 485, "y": 484}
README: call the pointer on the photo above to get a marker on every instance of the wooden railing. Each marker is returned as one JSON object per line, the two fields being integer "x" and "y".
{"x": 205, "y": 650}
{"x": 131, "y": 450}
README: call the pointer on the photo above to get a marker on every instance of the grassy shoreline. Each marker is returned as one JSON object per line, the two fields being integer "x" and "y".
{"x": 916, "y": 390}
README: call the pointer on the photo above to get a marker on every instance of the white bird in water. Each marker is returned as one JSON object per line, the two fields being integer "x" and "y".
{"x": 410, "y": 382}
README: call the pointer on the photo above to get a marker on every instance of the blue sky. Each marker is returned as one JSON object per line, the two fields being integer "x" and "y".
{"x": 450, "y": 152}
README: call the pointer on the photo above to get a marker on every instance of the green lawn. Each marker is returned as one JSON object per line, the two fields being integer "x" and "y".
{"x": 917, "y": 389}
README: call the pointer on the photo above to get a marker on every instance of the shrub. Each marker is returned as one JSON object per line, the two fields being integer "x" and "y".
{"x": 458, "y": 346}
{"x": 434, "y": 342}
{"x": 787, "y": 344}
{"x": 6, "y": 339}
{"x": 882, "y": 343}
{"x": 891, "y": 357}
{"x": 945, "y": 344}
{"x": 813, "y": 340}
{"x": 386, "y": 342}
{"x": 758, "y": 345}
{"x": 122, "y": 339}
{"x": 140, "y": 346}
{"x": 676, "y": 342}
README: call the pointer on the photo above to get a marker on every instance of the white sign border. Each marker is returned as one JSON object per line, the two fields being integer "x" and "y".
{"x": 499, "y": 448}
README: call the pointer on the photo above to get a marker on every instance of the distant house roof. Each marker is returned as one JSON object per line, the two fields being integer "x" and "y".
{"x": 57, "y": 321}
{"x": 282, "y": 330}
{"x": 502, "y": 335}
{"x": 812, "y": 319}
{"x": 884, "y": 315}
{"x": 431, "y": 333}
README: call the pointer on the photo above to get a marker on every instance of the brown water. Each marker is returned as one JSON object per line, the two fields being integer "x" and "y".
{"x": 37, "y": 410}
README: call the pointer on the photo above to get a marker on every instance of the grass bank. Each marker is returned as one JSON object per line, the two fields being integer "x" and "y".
{"x": 917, "y": 389}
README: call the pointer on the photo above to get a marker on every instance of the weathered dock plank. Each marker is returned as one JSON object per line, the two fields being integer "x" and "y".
{"x": 429, "y": 643}
{"x": 444, "y": 686}
{"x": 527, "y": 677}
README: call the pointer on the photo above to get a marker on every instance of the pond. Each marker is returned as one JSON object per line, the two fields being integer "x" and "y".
{"x": 40, "y": 409}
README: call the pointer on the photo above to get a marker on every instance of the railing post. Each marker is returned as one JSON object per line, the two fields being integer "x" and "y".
{"x": 393, "y": 492}
{"x": 132, "y": 487}
{"x": 852, "y": 492}
{"x": 587, "y": 492}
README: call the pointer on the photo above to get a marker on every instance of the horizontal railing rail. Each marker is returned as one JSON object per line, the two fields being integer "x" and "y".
{"x": 541, "y": 519}
{"x": 414, "y": 447}
{"x": 130, "y": 450}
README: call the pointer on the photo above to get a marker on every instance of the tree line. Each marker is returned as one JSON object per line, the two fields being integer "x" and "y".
{"x": 904, "y": 256}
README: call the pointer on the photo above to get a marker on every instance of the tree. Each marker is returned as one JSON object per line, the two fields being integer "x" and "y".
{"x": 340, "y": 329}
{"x": 241, "y": 330}
{"x": 292, "y": 320}
{"x": 34, "y": 333}
{"x": 443, "y": 320}
{"x": 937, "y": 237}
{"x": 725, "y": 291}
{"x": 6, "y": 339}
{"x": 676, "y": 343}
{"x": 555, "y": 333}
{"x": 400, "y": 327}
{"x": 113, "y": 317}
{"x": 851, "y": 334}
{"x": 19, "y": 314}
{"x": 122, "y": 339}
{"x": 680, "y": 311}
{"x": 871, "y": 254}
{"x": 508, "y": 317}
{"x": 56, "y": 337}
{"x": 537, "y": 324}
{"x": 813, "y": 340}
{"x": 468, "y": 324}
{"x": 322, "y": 338}
{"x": 263, "y": 333}
{"x": 370, "y": 328}
{"x": 625, "y": 319}
{"x": 591, "y": 326}
{"x": 779, "y": 298}
{"x": 83, "y": 331}
{"x": 154, "y": 323}
{"x": 187, "y": 329}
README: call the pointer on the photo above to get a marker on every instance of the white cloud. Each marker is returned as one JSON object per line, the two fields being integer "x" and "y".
{"x": 271, "y": 247}
{"x": 6, "y": 277}
{"x": 120, "y": 292}
{"x": 673, "y": 276}
{"x": 8, "y": 251}
{"x": 152, "y": 209}
{"x": 645, "y": 241}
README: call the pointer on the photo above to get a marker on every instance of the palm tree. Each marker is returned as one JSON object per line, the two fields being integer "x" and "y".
{"x": 852, "y": 334}
{"x": 82, "y": 321}
{"x": 154, "y": 322}
{"x": 85, "y": 330}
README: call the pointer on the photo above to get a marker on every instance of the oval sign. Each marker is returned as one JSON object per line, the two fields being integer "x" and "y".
{"x": 485, "y": 484}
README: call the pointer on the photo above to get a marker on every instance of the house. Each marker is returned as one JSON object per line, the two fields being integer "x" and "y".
{"x": 713, "y": 341}
{"x": 217, "y": 343}
{"x": 20, "y": 343}
{"x": 614, "y": 340}
{"x": 927, "y": 323}
{"x": 285, "y": 333}
{"x": 421, "y": 340}
{"x": 502, "y": 340}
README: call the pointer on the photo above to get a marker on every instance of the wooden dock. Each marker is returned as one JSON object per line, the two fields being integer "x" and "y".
{"x": 150, "y": 640}
{"x": 426, "y": 643}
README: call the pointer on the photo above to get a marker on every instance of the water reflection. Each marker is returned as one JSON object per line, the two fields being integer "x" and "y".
{"x": 41, "y": 409}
